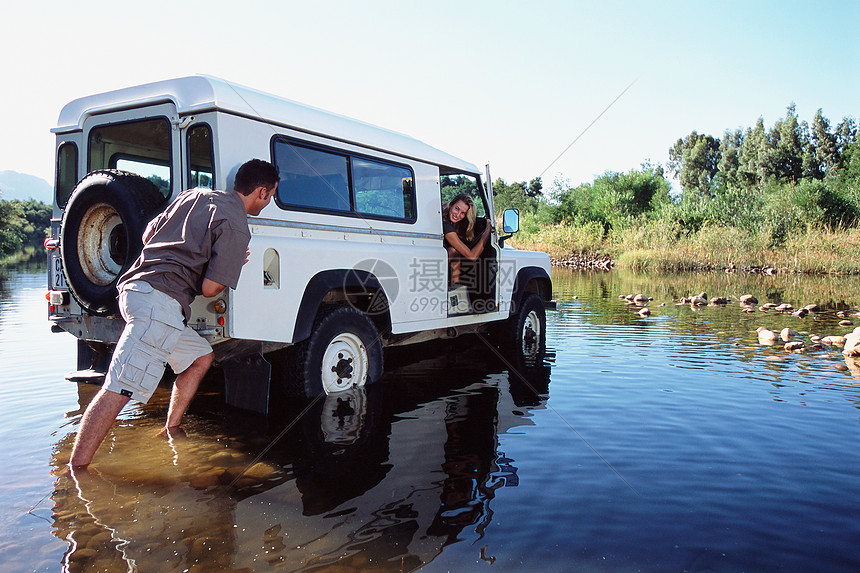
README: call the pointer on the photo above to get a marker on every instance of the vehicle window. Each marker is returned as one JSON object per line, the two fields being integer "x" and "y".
{"x": 312, "y": 178}
{"x": 383, "y": 189}
{"x": 200, "y": 157}
{"x": 158, "y": 174}
{"x": 67, "y": 172}
{"x": 454, "y": 184}
{"x": 142, "y": 147}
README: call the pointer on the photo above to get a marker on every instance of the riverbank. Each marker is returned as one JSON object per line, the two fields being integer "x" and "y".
{"x": 28, "y": 254}
{"x": 728, "y": 249}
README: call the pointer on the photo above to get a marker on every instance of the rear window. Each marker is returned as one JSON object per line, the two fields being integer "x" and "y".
{"x": 142, "y": 147}
{"x": 67, "y": 172}
{"x": 201, "y": 170}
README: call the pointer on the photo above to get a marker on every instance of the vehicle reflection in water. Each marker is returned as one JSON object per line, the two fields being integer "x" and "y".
{"x": 376, "y": 479}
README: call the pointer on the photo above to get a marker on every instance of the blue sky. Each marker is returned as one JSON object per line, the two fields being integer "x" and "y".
{"x": 509, "y": 83}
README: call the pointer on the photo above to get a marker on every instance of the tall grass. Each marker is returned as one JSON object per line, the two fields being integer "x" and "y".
{"x": 559, "y": 240}
{"x": 662, "y": 245}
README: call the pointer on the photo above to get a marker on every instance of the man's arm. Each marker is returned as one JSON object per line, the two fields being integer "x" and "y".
{"x": 211, "y": 288}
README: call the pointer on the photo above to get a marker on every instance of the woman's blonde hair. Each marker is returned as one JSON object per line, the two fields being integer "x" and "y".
{"x": 466, "y": 227}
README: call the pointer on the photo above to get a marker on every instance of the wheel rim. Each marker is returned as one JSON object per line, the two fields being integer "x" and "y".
{"x": 344, "y": 363}
{"x": 102, "y": 244}
{"x": 531, "y": 334}
{"x": 343, "y": 417}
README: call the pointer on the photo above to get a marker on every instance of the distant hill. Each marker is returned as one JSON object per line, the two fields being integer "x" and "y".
{"x": 14, "y": 185}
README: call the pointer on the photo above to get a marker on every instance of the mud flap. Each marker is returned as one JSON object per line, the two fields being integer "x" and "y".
{"x": 246, "y": 383}
{"x": 93, "y": 361}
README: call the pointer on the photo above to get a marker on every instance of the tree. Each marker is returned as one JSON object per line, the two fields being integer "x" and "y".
{"x": 826, "y": 150}
{"x": 847, "y": 179}
{"x": 22, "y": 223}
{"x": 787, "y": 143}
{"x": 729, "y": 165}
{"x": 695, "y": 161}
{"x": 535, "y": 188}
{"x": 36, "y": 220}
{"x": 755, "y": 159}
{"x": 522, "y": 196}
{"x": 846, "y": 134}
{"x": 11, "y": 223}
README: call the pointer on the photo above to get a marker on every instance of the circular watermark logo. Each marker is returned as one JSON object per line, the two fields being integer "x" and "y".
{"x": 376, "y": 283}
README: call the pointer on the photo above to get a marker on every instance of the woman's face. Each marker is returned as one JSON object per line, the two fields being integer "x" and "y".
{"x": 457, "y": 211}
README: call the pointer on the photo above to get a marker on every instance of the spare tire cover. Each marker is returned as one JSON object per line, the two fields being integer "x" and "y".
{"x": 102, "y": 232}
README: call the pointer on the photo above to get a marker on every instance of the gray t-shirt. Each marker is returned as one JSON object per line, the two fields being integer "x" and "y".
{"x": 202, "y": 234}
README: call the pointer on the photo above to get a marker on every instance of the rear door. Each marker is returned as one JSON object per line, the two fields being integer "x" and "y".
{"x": 144, "y": 141}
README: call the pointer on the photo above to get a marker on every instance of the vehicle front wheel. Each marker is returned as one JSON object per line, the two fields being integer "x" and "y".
{"x": 343, "y": 351}
{"x": 524, "y": 333}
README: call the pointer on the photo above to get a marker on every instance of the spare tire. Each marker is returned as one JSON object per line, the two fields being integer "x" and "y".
{"x": 102, "y": 234}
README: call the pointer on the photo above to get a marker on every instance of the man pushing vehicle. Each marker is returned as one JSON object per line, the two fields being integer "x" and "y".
{"x": 197, "y": 245}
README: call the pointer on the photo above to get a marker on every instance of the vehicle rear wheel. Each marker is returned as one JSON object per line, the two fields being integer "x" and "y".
{"x": 343, "y": 351}
{"x": 102, "y": 234}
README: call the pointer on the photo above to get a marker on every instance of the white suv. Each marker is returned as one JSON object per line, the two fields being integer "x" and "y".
{"x": 347, "y": 259}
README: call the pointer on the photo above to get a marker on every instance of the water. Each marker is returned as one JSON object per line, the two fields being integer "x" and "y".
{"x": 670, "y": 443}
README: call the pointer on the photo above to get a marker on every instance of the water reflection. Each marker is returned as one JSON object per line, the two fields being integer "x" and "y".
{"x": 740, "y": 455}
{"x": 717, "y": 338}
{"x": 11, "y": 281}
{"x": 381, "y": 479}
{"x": 830, "y": 292}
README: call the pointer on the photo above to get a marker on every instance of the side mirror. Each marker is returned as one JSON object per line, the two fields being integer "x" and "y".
{"x": 511, "y": 221}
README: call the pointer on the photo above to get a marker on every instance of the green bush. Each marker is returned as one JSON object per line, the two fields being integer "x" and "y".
{"x": 612, "y": 201}
{"x": 11, "y": 224}
{"x": 22, "y": 223}
{"x": 826, "y": 204}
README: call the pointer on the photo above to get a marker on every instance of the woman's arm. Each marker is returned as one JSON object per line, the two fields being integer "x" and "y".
{"x": 473, "y": 253}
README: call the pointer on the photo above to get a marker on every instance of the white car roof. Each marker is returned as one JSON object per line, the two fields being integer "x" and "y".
{"x": 196, "y": 94}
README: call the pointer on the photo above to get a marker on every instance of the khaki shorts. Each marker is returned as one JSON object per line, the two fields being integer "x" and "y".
{"x": 154, "y": 336}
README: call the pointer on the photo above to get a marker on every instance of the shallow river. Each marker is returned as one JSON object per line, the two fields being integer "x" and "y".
{"x": 674, "y": 442}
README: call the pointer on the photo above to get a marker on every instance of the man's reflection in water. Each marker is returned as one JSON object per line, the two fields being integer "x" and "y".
{"x": 383, "y": 478}
{"x": 163, "y": 508}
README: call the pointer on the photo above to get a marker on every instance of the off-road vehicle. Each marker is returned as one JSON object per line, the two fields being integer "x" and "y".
{"x": 346, "y": 260}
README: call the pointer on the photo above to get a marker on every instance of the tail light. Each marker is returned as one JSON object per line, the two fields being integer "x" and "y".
{"x": 58, "y": 297}
{"x": 220, "y": 307}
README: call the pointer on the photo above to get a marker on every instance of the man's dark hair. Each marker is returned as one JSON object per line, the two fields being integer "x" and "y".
{"x": 255, "y": 173}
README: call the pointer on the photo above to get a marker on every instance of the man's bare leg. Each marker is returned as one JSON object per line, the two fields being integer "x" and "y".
{"x": 95, "y": 424}
{"x": 184, "y": 389}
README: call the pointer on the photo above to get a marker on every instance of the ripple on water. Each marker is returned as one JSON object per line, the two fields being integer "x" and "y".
{"x": 672, "y": 442}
